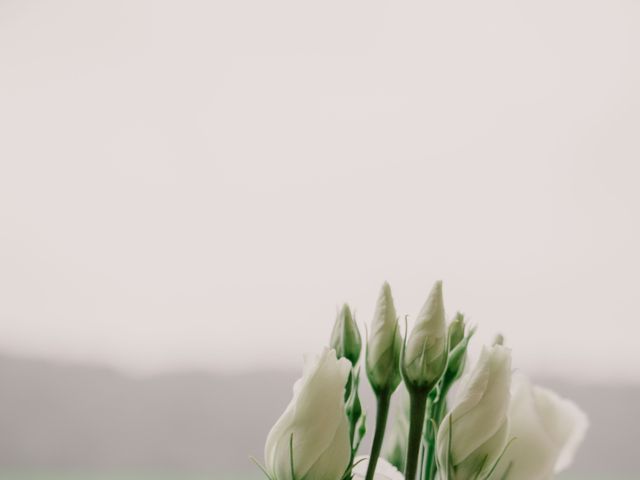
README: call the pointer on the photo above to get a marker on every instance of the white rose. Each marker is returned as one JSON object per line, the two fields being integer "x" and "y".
{"x": 316, "y": 421}
{"x": 384, "y": 470}
{"x": 474, "y": 433}
{"x": 546, "y": 431}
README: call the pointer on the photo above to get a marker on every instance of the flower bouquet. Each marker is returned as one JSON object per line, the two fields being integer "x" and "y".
{"x": 494, "y": 425}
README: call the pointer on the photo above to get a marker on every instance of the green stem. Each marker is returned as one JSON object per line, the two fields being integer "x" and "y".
{"x": 416, "y": 412}
{"x": 423, "y": 458}
{"x": 427, "y": 443}
{"x": 351, "y": 385}
{"x": 430, "y": 464}
{"x": 436, "y": 412}
{"x": 382, "y": 412}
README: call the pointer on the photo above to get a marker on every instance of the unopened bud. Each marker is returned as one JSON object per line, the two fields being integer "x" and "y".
{"x": 384, "y": 345}
{"x": 425, "y": 355}
{"x": 354, "y": 407}
{"x": 345, "y": 337}
{"x": 457, "y": 360}
{"x": 456, "y": 331}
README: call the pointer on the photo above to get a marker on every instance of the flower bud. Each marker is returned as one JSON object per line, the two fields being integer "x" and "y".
{"x": 425, "y": 354}
{"x": 473, "y": 435}
{"x": 458, "y": 343}
{"x": 384, "y": 345}
{"x": 354, "y": 407}
{"x": 456, "y": 363}
{"x": 355, "y": 414}
{"x": 345, "y": 337}
{"x": 316, "y": 445}
{"x": 456, "y": 331}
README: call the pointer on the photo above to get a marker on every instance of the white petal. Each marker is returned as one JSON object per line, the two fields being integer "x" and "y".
{"x": 477, "y": 425}
{"x": 321, "y": 389}
{"x": 319, "y": 413}
{"x": 482, "y": 405}
{"x": 384, "y": 470}
{"x": 530, "y": 454}
{"x": 565, "y": 422}
{"x": 329, "y": 465}
{"x": 546, "y": 431}
{"x": 276, "y": 434}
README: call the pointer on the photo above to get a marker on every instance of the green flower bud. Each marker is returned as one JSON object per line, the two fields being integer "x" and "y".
{"x": 458, "y": 343}
{"x": 345, "y": 337}
{"x": 498, "y": 340}
{"x": 457, "y": 360}
{"x": 384, "y": 345}
{"x": 354, "y": 407}
{"x": 456, "y": 331}
{"x": 425, "y": 354}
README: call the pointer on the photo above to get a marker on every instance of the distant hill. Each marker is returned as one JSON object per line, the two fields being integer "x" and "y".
{"x": 56, "y": 416}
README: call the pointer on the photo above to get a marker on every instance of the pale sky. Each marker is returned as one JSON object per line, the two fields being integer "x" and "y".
{"x": 201, "y": 184}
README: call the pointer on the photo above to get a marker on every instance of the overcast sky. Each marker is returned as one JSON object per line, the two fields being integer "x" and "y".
{"x": 201, "y": 184}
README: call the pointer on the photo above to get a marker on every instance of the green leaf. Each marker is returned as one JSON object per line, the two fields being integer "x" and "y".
{"x": 260, "y": 466}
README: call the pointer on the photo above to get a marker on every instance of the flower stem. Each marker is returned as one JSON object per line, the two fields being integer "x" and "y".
{"x": 429, "y": 464}
{"x": 436, "y": 412}
{"x": 416, "y": 412}
{"x": 382, "y": 412}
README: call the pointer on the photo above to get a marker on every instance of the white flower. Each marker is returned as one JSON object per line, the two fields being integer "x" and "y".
{"x": 314, "y": 426}
{"x": 384, "y": 470}
{"x": 384, "y": 345}
{"x": 474, "y": 433}
{"x": 425, "y": 355}
{"x": 546, "y": 431}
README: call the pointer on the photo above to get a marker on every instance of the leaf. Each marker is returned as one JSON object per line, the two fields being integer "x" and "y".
{"x": 260, "y": 466}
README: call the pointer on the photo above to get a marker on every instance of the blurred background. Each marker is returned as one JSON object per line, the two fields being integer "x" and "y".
{"x": 189, "y": 190}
